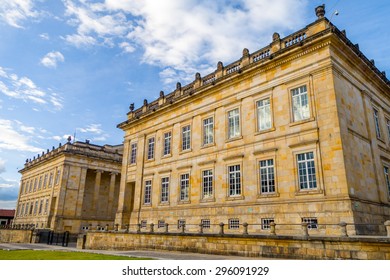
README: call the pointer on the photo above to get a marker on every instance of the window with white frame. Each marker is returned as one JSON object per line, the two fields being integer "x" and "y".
{"x": 164, "y": 189}
{"x": 45, "y": 181}
{"x": 58, "y": 176}
{"x": 31, "y": 184}
{"x": 35, "y": 184}
{"x": 27, "y": 205}
{"x": 186, "y": 138}
{"x": 312, "y": 223}
{"x": 133, "y": 153}
{"x": 184, "y": 186}
{"x": 205, "y": 223}
{"x": 266, "y": 223}
{"x": 377, "y": 124}
{"x": 51, "y": 179}
{"x": 167, "y": 143}
{"x": 148, "y": 192}
{"x": 300, "y": 103}
{"x": 181, "y": 223}
{"x": 264, "y": 119}
{"x": 306, "y": 171}
{"x": 40, "y": 207}
{"x": 208, "y": 131}
{"x": 234, "y": 180}
{"x": 46, "y": 205}
{"x": 161, "y": 224}
{"x": 386, "y": 171}
{"x": 267, "y": 176}
{"x": 36, "y": 207}
{"x": 207, "y": 183}
{"x": 234, "y": 224}
{"x": 233, "y": 123}
{"x": 40, "y": 182}
{"x": 151, "y": 148}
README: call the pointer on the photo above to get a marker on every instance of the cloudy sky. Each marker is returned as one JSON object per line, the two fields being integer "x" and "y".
{"x": 74, "y": 66}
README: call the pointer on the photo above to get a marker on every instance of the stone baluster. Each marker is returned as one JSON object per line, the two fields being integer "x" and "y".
{"x": 272, "y": 226}
{"x": 221, "y": 231}
{"x": 151, "y": 227}
{"x": 305, "y": 230}
{"x": 343, "y": 228}
{"x": 183, "y": 228}
{"x": 200, "y": 228}
{"x": 245, "y": 225}
{"x": 127, "y": 227}
{"x": 387, "y": 225}
{"x": 166, "y": 228}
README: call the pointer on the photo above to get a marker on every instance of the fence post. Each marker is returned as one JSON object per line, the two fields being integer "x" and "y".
{"x": 127, "y": 228}
{"x": 152, "y": 227}
{"x": 272, "y": 228}
{"x": 138, "y": 228}
{"x": 304, "y": 229}
{"x": 245, "y": 225}
{"x": 343, "y": 228}
{"x": 221, "y": 225}
{"x": 387, "y": 225}
{"x": 166, "y": 227}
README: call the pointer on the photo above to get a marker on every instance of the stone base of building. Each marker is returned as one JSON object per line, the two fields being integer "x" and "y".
{"x": 285, "y": 247}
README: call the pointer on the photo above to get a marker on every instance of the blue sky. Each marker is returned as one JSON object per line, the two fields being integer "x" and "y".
{"x": 74, "y": 66}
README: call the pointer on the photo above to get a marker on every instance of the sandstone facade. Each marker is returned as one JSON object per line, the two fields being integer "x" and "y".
{"x": 71, "y": 188}
{"x": 296, "y": 132}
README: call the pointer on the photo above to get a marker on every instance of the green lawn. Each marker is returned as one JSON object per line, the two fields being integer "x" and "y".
{"x": 57, "y": 255}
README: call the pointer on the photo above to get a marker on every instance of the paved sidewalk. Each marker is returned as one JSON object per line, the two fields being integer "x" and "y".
{"x": 159, "y": 255}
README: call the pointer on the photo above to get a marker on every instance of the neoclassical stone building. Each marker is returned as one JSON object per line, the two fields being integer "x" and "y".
{"x": 70, "y": 188}
{"x": 298, "y": 131}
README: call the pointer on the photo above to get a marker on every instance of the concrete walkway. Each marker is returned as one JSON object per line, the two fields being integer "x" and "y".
{"x": 159, "y": 255}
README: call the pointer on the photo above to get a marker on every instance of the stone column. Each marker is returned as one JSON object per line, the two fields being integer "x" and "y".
{"x": 96, "y": 191}
{"x": 387, "y": 225}
{"x": 80, "y": 195}
{"x": 111, "y": 194}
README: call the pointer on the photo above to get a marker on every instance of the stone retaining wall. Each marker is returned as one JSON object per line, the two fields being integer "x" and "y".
{"x": 291, "y": 247}
{"x": 15, "y": 236}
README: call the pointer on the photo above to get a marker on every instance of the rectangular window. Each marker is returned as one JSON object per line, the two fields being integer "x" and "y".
{"x": 300, "y": 103}
{"x": 46, "y": 205}
{"x": 377, "y": 125}
{"x": 27, "y": 205}
{"x": 386, "y": 171}
{"x": 165, "y": 189}
{"x": 234, "y": 180}
{"x": 51, "y": 179}
{"x": 184, "y": 186}
{"x": 207, "y": 183}
{"x": 234, "y": 223}
{"x": 264, "y": 114}
{"x": 22, "y": 211}
{"x": 267, "y": 176}
{"x": 306, "y": 171}
{"x": 181, "y": 223}
{"x": 388, "y": 128}
{"x": 144, "y": 223}
{"x": 186, "y": 138}
{"x": 233, "y": 123}
{"x": 167, "y": 143}
{"x": 40, "y": 183}
{"x": 265, "y": 223}
{"x": 45, "y": 181}
{"x": 36, "y": 207}
{"x": 151, "y": 148}
{"x": 133, "y": 155}
{"x": 30, "y": 188}
{"x": 311, "y": 222}
{"x": 40, "y": 207}
{"x": 58, "y": 176}
{"x": 147, "y": 192}
{"x": 35, "y": 184}
{"x": 208, "y": 131}
{"x": 205, "y": 223}
{"x": 161, "y": 224}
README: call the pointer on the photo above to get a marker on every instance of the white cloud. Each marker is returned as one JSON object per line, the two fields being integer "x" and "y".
{"x": 25, "y": 89}
{"x": 51, "y": 59}
{"x": 12, "y": 137}
{"x": 14, "y": 12}
{"x": 44, "y": 36}
{"x": 183, "y": 37}
{"x": 2, "y": 166}
{"x": 92, "y": 128}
